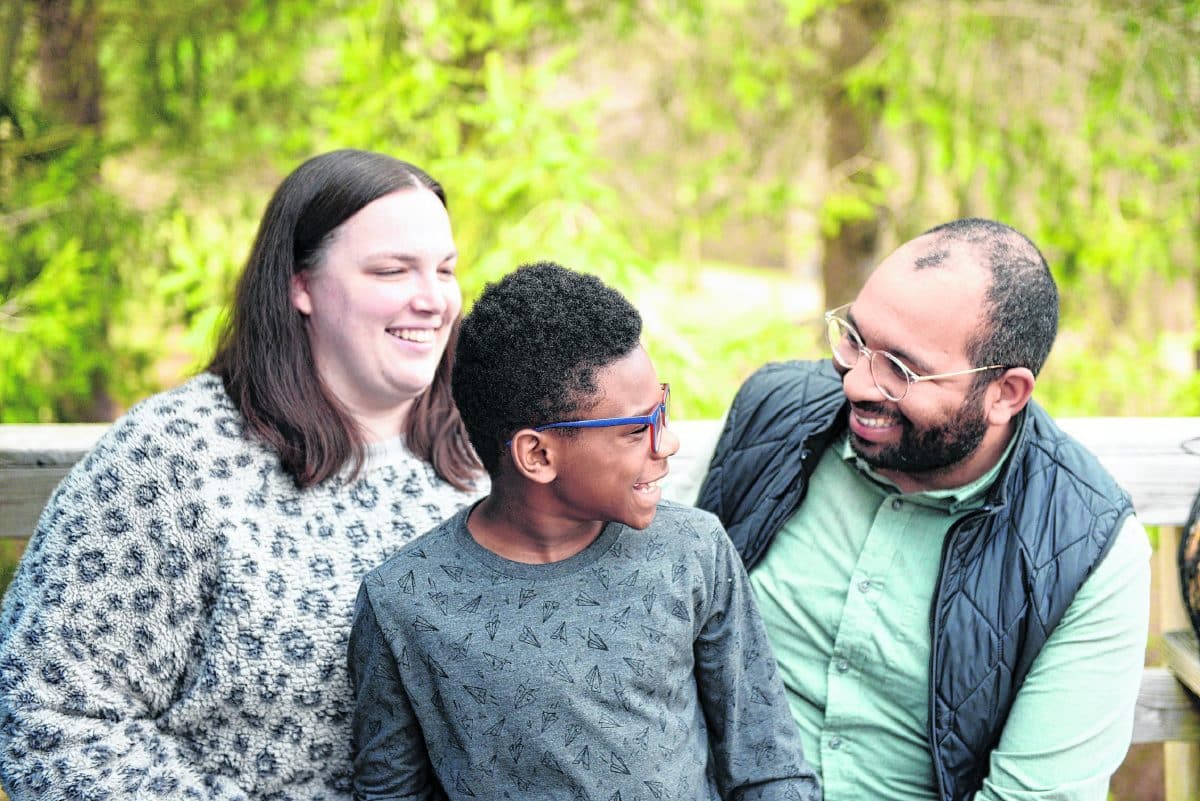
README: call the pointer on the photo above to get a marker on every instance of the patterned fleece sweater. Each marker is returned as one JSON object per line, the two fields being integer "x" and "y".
{"x": 177, "y": 627}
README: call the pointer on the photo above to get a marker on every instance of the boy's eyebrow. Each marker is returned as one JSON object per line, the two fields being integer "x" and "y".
{"x": 649, "y": 412}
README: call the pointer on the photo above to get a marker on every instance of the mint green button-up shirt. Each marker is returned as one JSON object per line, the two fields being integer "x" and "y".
{"x": 845, "y": 591}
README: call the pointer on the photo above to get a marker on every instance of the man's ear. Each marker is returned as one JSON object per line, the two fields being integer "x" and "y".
{"x": 534, "y": 455}
{"x": 299, "y": 294}
{"x": 1008, "y": 395}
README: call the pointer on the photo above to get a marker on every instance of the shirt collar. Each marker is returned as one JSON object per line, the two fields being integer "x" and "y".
{"x": 953, "y": 499}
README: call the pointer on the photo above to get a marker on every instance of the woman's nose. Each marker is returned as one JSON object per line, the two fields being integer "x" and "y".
{"x": 430, "y": 294}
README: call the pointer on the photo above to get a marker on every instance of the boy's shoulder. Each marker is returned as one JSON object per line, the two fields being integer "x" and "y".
{"x": 673, "y": 517}
{"x": 418, "y": 551}
{"x": 687, "y": 525}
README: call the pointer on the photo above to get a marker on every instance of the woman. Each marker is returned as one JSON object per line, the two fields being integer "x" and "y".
{"x": 178, "y": 624}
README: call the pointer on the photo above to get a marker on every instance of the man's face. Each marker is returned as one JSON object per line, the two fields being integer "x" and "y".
{"x": 925, "y": 317}
{"x": 613, "y": 473}
{"x": 921, "y": 448}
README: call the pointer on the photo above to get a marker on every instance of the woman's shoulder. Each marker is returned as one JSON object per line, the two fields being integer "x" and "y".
{"x": 182, "y": 408}
{"x": 146, "y": 477}
{"x": 170, "y": 433}
{"x": 192, "y": 417}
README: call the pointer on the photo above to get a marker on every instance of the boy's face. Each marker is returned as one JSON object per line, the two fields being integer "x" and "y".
{"x": 612, "y": 473}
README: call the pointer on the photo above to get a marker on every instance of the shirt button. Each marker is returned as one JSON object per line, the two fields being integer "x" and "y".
{"x": 864, "y": 585}
{"x": 835, "y": 743}
{"x": 896, "y": 504}
{"x": 842, "y": 666}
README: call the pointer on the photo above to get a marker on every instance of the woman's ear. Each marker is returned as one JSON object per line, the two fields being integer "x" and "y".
{"x": 1008, "y": 394}
{"x": 534, "y": 455}
{"x": 299, "y": 294}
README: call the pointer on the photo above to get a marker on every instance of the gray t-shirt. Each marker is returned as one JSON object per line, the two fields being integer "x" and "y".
{"x": 636, "y": 669}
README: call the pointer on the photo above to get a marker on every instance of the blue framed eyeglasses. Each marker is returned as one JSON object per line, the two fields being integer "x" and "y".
{"x": 657, "y": 420}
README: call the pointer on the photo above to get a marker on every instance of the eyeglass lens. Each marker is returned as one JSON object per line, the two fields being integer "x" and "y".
{"x": 660, "y": 420}
{"x": 888, "y": 374}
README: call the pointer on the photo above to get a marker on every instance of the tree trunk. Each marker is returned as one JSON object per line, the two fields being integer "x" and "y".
{"x": 802, "y": 224}
{"x": 850, "y": 252}
{"x": 13, "y": 22}
{"x": 71, "y": 88}
{"x": 68, "y": 61}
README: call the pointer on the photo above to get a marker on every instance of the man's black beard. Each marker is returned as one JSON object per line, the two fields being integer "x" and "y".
{"x": 927, "y": 450}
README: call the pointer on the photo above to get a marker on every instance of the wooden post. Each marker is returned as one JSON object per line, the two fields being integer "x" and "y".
{"x": 1181, "y": 760}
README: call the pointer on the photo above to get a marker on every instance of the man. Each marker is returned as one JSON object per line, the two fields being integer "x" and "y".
{"x": 957, "y": 592}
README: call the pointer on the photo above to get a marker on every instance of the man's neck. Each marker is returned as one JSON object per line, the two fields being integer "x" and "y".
{"x": 991, "y": 449}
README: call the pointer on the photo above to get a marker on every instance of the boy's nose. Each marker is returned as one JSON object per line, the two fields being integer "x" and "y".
{"x": 668, "y": 446}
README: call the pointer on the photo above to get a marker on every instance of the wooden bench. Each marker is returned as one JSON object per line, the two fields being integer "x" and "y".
{"x": 1156, "y": 459}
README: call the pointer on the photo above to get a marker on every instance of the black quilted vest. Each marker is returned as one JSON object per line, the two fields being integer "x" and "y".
{"x": 1009, "y": 570}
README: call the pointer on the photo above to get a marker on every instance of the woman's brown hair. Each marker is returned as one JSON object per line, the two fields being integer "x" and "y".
{"x": 263, "y": 354}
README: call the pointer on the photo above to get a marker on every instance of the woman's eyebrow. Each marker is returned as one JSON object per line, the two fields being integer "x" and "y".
{"x": 407, "y": 258}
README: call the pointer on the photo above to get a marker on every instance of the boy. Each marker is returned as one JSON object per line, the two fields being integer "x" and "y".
{"x": 569, "y": 636}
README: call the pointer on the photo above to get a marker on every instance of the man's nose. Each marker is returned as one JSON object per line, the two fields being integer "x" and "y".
{"x": 859, "y": 384}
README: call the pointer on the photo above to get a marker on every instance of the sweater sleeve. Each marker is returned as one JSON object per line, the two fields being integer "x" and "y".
{"x": 391, "y": 761}
{"x": 99, "y": 628}
{"x": 754, "y": 742}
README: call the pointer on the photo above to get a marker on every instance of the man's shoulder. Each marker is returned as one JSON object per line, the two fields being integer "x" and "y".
{"x": 1046, "y": 441}
{"x": 777, "y": 398}
{"x": 795, "y": 375}
{"x": 788, "y": 388}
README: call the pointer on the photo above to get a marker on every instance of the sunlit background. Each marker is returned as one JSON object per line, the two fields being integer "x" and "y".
{"x": 735, "y": 167}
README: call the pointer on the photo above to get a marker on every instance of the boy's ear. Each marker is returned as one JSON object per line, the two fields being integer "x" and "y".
{"x": 533, "y": 455}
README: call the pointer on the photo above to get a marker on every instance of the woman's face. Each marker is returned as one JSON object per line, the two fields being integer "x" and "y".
{"x": 380, "y": 304}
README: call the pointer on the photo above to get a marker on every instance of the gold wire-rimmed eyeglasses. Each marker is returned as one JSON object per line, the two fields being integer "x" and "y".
{"x": 892, "y": 377}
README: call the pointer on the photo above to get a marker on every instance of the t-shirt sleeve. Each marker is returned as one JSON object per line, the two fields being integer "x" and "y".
{"x": 754, "y": 742}
{"x": 390, "y": 757}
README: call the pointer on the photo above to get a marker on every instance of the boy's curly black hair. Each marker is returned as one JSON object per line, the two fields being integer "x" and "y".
{"x": 528, "y": 352}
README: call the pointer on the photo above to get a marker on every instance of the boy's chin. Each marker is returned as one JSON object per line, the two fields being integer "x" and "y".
{"x": 639, "y": 522}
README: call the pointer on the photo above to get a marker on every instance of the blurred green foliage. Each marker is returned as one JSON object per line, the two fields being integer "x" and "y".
{"x": 641, "y": 141}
